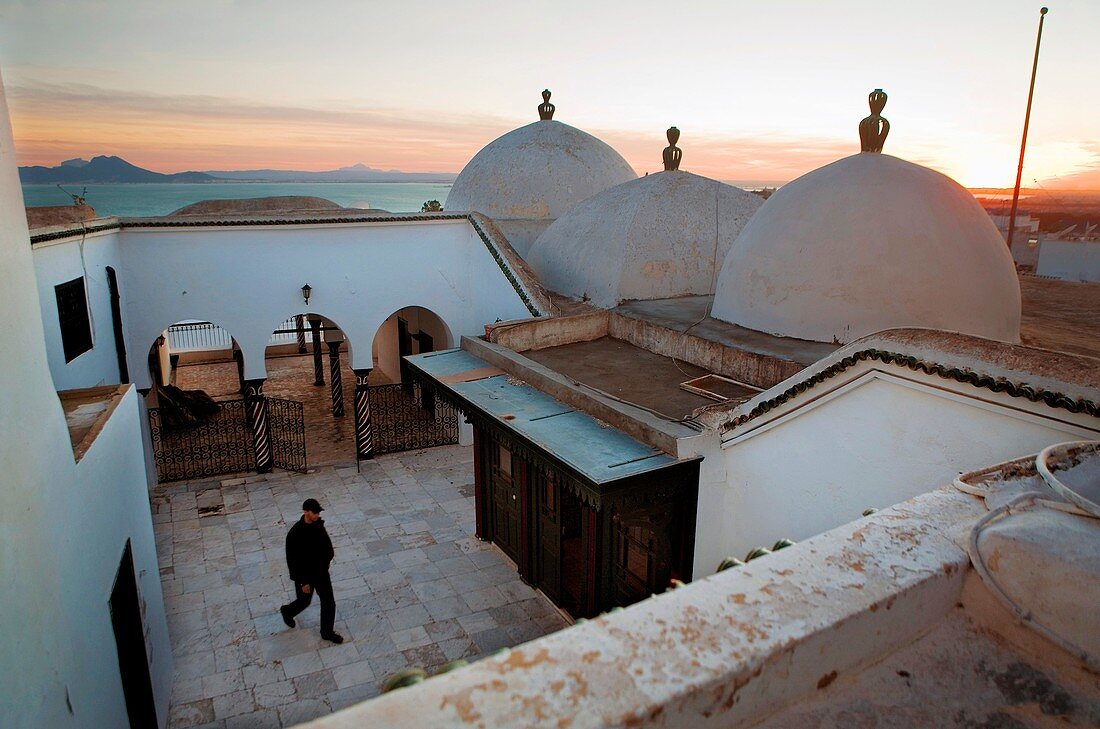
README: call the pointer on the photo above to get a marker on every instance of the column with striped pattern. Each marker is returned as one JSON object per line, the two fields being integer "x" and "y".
{"x": 337, "y": 380}
{"x": 256, "y": 407}
{"x": 364, "y": 442}
{"x": 300, "y": 331}
{"x": 318, "y": 363}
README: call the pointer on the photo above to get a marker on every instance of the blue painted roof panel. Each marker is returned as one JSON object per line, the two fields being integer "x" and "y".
{"x": 598, "y": 451}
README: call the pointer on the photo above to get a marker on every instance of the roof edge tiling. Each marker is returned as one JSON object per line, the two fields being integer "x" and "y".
{"x": 1059, "y": 380}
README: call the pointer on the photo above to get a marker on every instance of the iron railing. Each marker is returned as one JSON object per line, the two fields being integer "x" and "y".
{"x": 402, "y": 421}
{"x": 220, "y": 444}
{"x": 203, "y": 336}
{"x": 224, "y": 444}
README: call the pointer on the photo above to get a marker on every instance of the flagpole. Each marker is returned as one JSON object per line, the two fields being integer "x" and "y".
{"x": 1023, "y": 142}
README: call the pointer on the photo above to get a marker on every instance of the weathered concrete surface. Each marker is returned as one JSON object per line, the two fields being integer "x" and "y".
{"x": 536, "y": 173}
{"x": 681, "y": 328}
{"x": 867, "y": 243}
{"x": 640, "y": 424}
{"x": 656, "y": 237}
{"x": 955, "y": 677}
{"x": 44, "y": 216}
{"x": 728, "y": 650}
{"x": 87, "y": 411}
{"x": 623, "y": 370}
{"x": 1061, "y": 315}
{"x": 530, "y": 334}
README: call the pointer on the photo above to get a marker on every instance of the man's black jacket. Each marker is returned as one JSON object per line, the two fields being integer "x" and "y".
{"x": 308, "y": 551}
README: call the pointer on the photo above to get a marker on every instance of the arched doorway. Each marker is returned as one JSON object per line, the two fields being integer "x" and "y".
{"x": 198, "y": 420}
{"x": 404, "y": 415}
{"x": 308, "y": 361}
{"x": 411, "y": 330}
{"x": 197, "y": 355}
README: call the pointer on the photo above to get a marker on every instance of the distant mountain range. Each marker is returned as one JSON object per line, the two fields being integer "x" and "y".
{"x": 116, "y": 169}
{"x": 103, "y": 169}
{"x": 356, "y": 173}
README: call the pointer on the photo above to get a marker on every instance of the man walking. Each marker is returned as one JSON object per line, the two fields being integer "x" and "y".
{"x": 308, "y": 554}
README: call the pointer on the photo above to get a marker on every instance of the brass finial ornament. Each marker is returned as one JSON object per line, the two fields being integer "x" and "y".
{"x": 546, "y": 109}
{"x": 672, "y": 154}
{"x": 873, "y": 129}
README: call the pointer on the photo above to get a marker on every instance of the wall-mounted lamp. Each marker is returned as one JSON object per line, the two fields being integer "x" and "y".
{"x": 306, "y": 291}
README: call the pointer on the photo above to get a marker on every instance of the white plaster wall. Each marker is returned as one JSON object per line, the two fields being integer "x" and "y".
{"x": 709, "y": 521}
{"x": 58, "y": 262}
{"x": 53, "y": 676}
{"x": 98, "y": 528}
{"x": 248, "y": 280}
{"x": 1069, "y": 260}
{"x": 874, "y": 443}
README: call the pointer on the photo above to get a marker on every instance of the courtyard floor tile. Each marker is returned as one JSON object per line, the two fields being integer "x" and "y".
{"x": 413, "y": 587}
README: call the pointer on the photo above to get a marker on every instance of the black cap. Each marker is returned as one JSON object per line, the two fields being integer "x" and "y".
{"x": 312, "y": 505}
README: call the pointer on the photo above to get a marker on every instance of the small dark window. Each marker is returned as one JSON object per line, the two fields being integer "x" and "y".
{"x": 72, "y": 315}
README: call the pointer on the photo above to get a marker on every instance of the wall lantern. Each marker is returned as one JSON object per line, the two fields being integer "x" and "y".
{"x": 306, "y": 291}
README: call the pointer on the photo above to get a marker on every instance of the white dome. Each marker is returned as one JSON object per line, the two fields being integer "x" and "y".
{"x": 650, "y": 238}
{"x": 530, "y": 176}
{"x": 867, "y": 243}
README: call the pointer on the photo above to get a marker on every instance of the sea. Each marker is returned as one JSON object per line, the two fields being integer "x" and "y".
{"x": 137, "y": 199}
{"x": 150, "y": 199}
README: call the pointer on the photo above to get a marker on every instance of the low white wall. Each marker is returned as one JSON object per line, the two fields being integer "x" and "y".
{"x": 248, "y": 280}
{"x": 727, "y": 651}
{"x": 62, "y": 261}
{"x": 1069, "y": 260}
{"x": 108, "y": 505}
{"x": 873, "y": 442}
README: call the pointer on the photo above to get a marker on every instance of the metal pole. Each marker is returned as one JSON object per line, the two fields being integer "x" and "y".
{"x": 1023, "y": 142}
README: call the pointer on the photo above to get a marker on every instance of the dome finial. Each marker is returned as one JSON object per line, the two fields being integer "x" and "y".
{"x": 672, "y": 154}
{"x": 873, "y": 129}
{"x": 546, "y": 109}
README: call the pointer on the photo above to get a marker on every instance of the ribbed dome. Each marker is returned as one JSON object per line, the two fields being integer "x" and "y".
{"x": 534, "y": 174}
{"x": 867, "y": 243}
{"x": 650, "y": 238}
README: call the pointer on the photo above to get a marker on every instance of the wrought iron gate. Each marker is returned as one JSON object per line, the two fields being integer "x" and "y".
{"x": 220, "y": 444}
{"x": 405, "y": 417}
{"x": 223, "y": 443}
{"x": 288, "y": 434}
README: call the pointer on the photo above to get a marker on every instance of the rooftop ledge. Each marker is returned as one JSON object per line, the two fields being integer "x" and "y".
{"x": 87, "y": 411}
{"x": 881, "y": 615}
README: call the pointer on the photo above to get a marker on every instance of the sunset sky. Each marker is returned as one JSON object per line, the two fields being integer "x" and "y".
{"x": 760, "y": 90}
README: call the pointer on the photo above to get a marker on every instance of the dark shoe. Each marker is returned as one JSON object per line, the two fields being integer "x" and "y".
{"x": 286, "y": 618}
{"x": 333, "y": 638}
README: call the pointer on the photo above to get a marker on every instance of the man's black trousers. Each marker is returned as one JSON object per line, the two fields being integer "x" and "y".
{"x": 322, "y": 585}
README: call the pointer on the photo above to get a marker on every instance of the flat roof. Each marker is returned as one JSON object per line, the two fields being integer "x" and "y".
{"x": 1060, "y": 315}
{"x": 595, "y": 450}
{"x": 634, "y": 374}
{"x": 690, "y": 313}
{"x": 86, "y": 412}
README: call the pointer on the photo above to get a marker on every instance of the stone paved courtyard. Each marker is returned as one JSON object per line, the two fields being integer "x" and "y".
{"x": 413, "y": 587}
